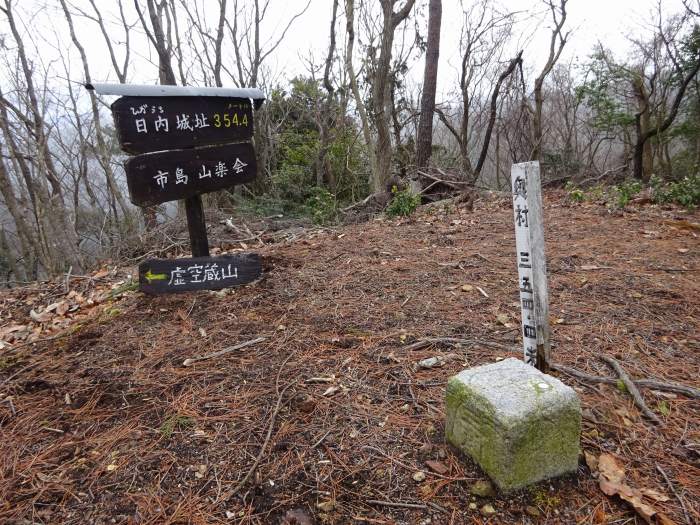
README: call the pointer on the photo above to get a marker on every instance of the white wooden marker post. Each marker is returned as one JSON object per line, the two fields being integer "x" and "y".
{"x": 532, "y": 268}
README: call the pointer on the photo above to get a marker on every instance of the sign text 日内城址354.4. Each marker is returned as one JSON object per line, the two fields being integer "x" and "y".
{"x": 163, "y": 123}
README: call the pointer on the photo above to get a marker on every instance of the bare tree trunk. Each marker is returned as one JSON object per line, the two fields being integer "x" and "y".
{"x": 83, "y": 154}
{"x": 492, "y": 115}
{"x": 325, "y": 119}
{"x": 102, "y": 153}
{"x": 165, "y": 70}
{"x": 498, "y": 157}
{"x": 28, "y": 242}
{"x": 642, "y": 171}
{"x": 556, "y": 46}
{"x": 62, "y": 239}
{"x": 359, "y": 103}
{"x": 381, "y": 99}
{"x": 157, "y": 37}
{"x": 642, "y": 120}
{"x": 218, "y": 43}
{"x": 424, "y": 141}
{"x": 120, "y": 71}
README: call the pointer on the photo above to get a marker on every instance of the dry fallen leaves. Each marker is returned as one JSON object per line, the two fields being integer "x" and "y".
{"x": 684, "y": 225}
{"x": 43, "y": 317}
{"x": 437, "y": 466}
{"x": 332, "y": 390}
{"x": 610, "y": 478}
{"x": 599, "y": 517}
{"x": 503, "y": 319}
{"x": 297, "y": 517}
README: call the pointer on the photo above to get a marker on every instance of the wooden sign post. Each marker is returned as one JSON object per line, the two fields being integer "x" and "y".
{"x": 532, "y": 269}
{"x": 187, "y": 141}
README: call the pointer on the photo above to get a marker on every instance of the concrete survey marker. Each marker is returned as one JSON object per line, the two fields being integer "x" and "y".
{"x": 520, "y": 425}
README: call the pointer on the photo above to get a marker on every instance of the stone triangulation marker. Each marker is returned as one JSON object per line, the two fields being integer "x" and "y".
{"x": 519, "y": 425}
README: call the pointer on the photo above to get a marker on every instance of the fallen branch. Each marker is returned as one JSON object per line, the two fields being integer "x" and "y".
{"x": 188, "y": 362}
{"x": 632, "y": 389}
{"x": 20, "y": 371}
{"x": 645, "y": 383}
{"x": 362, "y": 202}
{"x": 675, "y": 493}
{"x": 482, "y": 292}
{"x": 318, "y": 443}
{"x": 268, "y": 436}
{"x": 401, "y": 504}
{"x": 271, "y": 426}
{"x": 422, "y": 343}
{"x": 455, "y": 185}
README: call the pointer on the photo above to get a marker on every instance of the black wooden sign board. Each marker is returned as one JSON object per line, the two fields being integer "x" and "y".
{"x": 154, "y": 178}
{"x": 187, "y": 141}
{"x": 160, "y": 123}
{"x": 162, "y": 276}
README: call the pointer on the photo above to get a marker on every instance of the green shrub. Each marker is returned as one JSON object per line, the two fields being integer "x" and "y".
{"x": 625, "y": 191}
{"x": 596, "y": 193}
{"x": 685, "y": 192}
{"x": 575, "y": 194}
{"x": 175, "y": 422}
{"x": 321, "y": 206}
{"x": 403, "y": 203}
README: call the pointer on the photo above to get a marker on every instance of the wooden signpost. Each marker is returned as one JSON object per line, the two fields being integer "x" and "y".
{"x": 188, "y": 141}
{"x": 532, "y": 269}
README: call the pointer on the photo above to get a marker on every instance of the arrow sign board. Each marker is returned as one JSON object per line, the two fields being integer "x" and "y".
{"x": 162, "y": 276}
{"x": 161, "y": 123}
{"x": 154, "y": 178}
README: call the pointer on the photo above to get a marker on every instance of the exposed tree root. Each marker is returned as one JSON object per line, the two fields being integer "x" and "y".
{"x": 645, "y": 383}
{"x": 632, "y": 389}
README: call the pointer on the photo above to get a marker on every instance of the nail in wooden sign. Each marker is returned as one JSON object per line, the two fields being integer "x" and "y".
{"x": 161, "y": 123}
{"x": 154, "y": 178}
{"x": 162, "y": 276}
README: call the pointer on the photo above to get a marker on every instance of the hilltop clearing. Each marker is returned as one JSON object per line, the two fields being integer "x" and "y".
{"x": 332, "y": 418}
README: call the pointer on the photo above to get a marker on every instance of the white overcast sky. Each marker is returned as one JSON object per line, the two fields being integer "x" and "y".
{"x": 607, "y": 21}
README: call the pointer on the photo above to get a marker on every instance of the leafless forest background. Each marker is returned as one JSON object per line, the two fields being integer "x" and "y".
{"x": 348, "y": 129}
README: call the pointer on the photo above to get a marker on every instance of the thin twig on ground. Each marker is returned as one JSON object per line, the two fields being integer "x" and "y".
{"x": 675, "y": 493}
{"x": 271, "y": 426}
{"x": 192, "y": 360}
{"x": 632, "y": 389}
{"x": 401, "y": 504}
{"x": 422, "y": 343}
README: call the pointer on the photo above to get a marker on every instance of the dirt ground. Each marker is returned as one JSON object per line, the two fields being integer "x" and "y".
{"x": 329, "y": 419}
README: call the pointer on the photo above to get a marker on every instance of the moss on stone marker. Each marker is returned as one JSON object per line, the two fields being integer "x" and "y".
{"x": 519, "y": 425}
